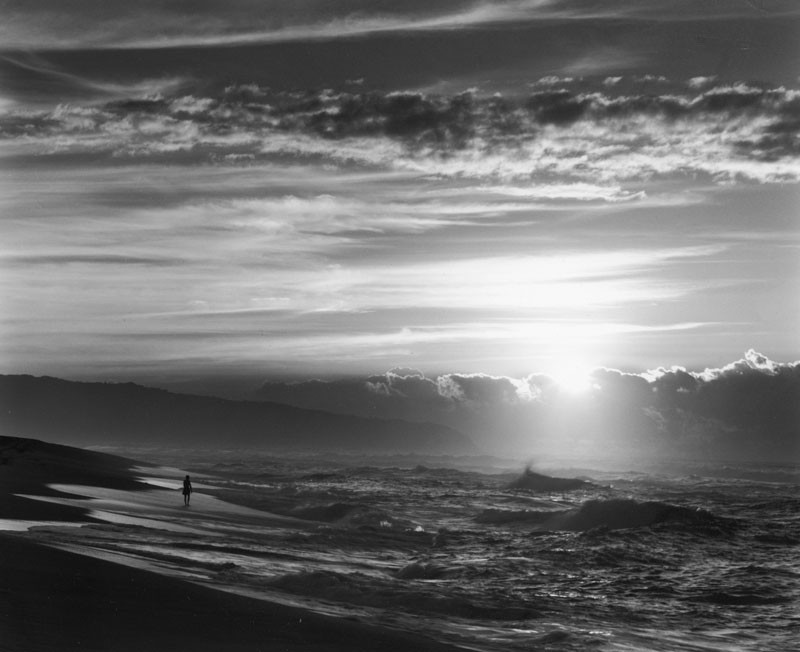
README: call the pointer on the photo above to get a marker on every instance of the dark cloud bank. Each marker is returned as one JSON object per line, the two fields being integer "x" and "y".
{"x": 749, "y": 409}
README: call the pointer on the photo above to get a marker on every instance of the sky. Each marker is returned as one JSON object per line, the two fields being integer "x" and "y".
{"x": 211, "y": 195}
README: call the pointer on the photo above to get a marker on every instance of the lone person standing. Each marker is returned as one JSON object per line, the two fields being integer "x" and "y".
{"x": 187, "y": 490}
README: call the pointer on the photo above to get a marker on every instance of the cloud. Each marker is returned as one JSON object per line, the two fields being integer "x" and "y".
{"x": 89, "y": 259}
{"x": 752, "y": 363}
{"x": 233, "y": 247}
{"x": 603, "y": 61}
{"x": 320, "y": 228}
{"x": 405, "y": 385}
{"x": 751, "y": 405}
{"x": 114, "y": 24}
{"x": 556, "y": 137}
{"x": 118, "y": 25}
{"x": 701, "y": 82}
{"x": 747, "y": 408}
{"x": 571, "y": 282}
{"x": 37, "y": 80}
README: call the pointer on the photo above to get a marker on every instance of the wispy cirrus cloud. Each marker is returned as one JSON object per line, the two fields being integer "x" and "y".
{"x": 72, "y": 87}
{"x": 119, "y": 25}
{"x": 88, "y": 259}
{"x": 113, "y": 24}
{"x": 250, "y": 259}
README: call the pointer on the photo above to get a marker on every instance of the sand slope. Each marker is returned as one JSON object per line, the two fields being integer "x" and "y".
{"x": 27, "y": 466}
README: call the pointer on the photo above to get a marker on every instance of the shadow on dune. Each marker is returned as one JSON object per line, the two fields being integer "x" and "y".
{"x": 27, "y": 466}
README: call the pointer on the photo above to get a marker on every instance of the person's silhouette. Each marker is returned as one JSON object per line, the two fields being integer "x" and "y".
{"x": 187, "y": 490}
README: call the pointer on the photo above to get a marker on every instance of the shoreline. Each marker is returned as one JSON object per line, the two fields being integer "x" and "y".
{"x": 57, "y": 599}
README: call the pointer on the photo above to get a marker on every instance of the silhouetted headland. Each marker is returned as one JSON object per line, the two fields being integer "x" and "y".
{"x": 125, "y": 414}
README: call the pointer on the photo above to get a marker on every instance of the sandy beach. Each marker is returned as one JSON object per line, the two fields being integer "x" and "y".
{"x": 54, "y": 599}
{"x": 57, "y": 600}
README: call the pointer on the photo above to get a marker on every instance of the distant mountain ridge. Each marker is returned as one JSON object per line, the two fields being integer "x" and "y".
{"x": 126, "y": 414}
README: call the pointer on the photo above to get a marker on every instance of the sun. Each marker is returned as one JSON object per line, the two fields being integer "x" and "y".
{"x": 573, "y": 375}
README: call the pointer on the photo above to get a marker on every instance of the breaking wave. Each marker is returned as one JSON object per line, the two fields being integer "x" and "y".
{"x": 613, "y": 514}
{"x": 507, "y": 516}
{"x": 624, "y": 513}
{"x": 533, "y": 481}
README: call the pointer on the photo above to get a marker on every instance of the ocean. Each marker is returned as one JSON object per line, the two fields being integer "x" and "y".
{"x": 701, "y": 557}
